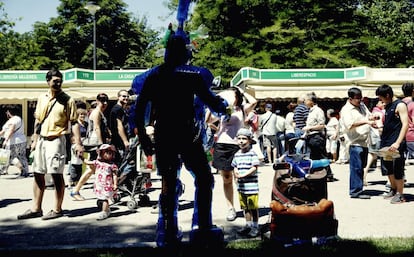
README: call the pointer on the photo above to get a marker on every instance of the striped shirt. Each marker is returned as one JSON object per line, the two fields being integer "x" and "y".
{"x": 300, "y": 115}
{"x": 243, "y": 161}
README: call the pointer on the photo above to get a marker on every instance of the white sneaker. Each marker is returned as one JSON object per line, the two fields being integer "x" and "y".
{"x": 103, "y": 215}
{"x": 231, "y": 215}
{"x": 254, "y": 232}
{"x": 244, "y": 231}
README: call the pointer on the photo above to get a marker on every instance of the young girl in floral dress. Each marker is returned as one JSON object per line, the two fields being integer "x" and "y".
{"x": 106, "y": 179}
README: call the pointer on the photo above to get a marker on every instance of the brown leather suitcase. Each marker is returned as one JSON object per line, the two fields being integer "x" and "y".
{"x": 303, "y": 221}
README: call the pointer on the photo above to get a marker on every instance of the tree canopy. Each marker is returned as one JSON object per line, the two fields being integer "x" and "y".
{"x": 122, "y": 41}
{"x": 305, "y": 34}
{"x": 267, "y": 34}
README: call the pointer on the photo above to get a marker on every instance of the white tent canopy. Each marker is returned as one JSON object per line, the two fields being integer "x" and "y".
{"x": 262, "y": 83}
{"x": 326, "y": 83}
{"x": 79, "y": 83}
{"x": 22, "y": 87}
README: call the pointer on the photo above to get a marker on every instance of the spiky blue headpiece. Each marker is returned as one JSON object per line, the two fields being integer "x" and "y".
{"x": 177, "y": 42}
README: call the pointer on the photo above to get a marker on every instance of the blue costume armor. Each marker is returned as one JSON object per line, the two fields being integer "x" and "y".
{"x": 185, "y": 88}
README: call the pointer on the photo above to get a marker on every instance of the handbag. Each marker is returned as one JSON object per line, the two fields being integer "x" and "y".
{"x": 4, "y": 156}
{"x": 90, "y": 142}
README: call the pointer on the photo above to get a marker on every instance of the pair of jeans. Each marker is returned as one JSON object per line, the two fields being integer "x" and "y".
{"x": 357, "y": 161}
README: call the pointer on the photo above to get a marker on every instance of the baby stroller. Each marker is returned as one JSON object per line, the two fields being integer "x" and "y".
{"x": 299, "y": 180}
{"x": 133, "y": 180}
{"x": 300, "y": 212}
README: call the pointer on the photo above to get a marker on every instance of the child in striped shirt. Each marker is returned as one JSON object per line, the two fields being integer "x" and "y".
{"x": 246, "y": 163}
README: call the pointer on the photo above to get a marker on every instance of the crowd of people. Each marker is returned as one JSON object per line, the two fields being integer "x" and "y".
{"x": 246, "y": 136}
{"x": 59, "y": 117}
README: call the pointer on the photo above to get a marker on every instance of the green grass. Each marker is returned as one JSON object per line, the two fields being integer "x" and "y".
{"x": 367, "y": 247}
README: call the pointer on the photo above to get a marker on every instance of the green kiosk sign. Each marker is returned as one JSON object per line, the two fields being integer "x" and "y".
{"x": 116, "y": 75}
{"x": 286, "y": 75}
{"x": 72, "y": 75}
{"x": 38, "y": 76}
{"x": 302, "y": 74}
{"x": 79, "y": 74}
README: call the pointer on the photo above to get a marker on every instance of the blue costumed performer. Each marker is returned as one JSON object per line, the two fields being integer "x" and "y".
{"x": 178, "y": 83}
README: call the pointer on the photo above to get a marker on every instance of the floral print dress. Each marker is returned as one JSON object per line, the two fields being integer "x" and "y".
{"x": 104, "y": 183}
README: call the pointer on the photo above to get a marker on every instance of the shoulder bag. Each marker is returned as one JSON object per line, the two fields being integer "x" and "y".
{"x": 90, "y": 142}
{"x": 264, "y": 123}
{"x": 38, "y": 127}
{"x": 2, "y": 139}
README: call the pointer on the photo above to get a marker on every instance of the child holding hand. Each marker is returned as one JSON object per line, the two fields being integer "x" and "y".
{"x": 106, "y": 179}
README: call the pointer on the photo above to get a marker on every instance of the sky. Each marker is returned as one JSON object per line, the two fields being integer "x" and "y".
{"x": 42, "y": 10}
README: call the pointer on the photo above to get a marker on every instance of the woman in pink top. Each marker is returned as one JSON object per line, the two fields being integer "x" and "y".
{"x": 226, "y": 145}
{"x": 408, "y": 89}
{"x": 375, "y": 137}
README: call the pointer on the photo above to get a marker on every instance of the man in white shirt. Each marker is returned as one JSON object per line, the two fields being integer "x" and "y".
{"x": 355, "y": 118}
{"x": 315, "y": 132}
{"x": 268, "y": 126}
{"x": 280, "y": 134}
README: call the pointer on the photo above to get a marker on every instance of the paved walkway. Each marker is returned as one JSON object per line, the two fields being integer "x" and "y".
{"x": 125, "y": 228}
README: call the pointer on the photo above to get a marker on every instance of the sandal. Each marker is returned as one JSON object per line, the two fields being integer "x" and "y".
{"x": 29, "y": 214}
{"x": 76, "y": 196}
{"x": 52, "y": 215}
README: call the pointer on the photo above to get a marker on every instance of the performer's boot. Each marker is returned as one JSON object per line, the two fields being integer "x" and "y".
{"x": 168, "y": 232}
{"x": 206, "y": 235}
